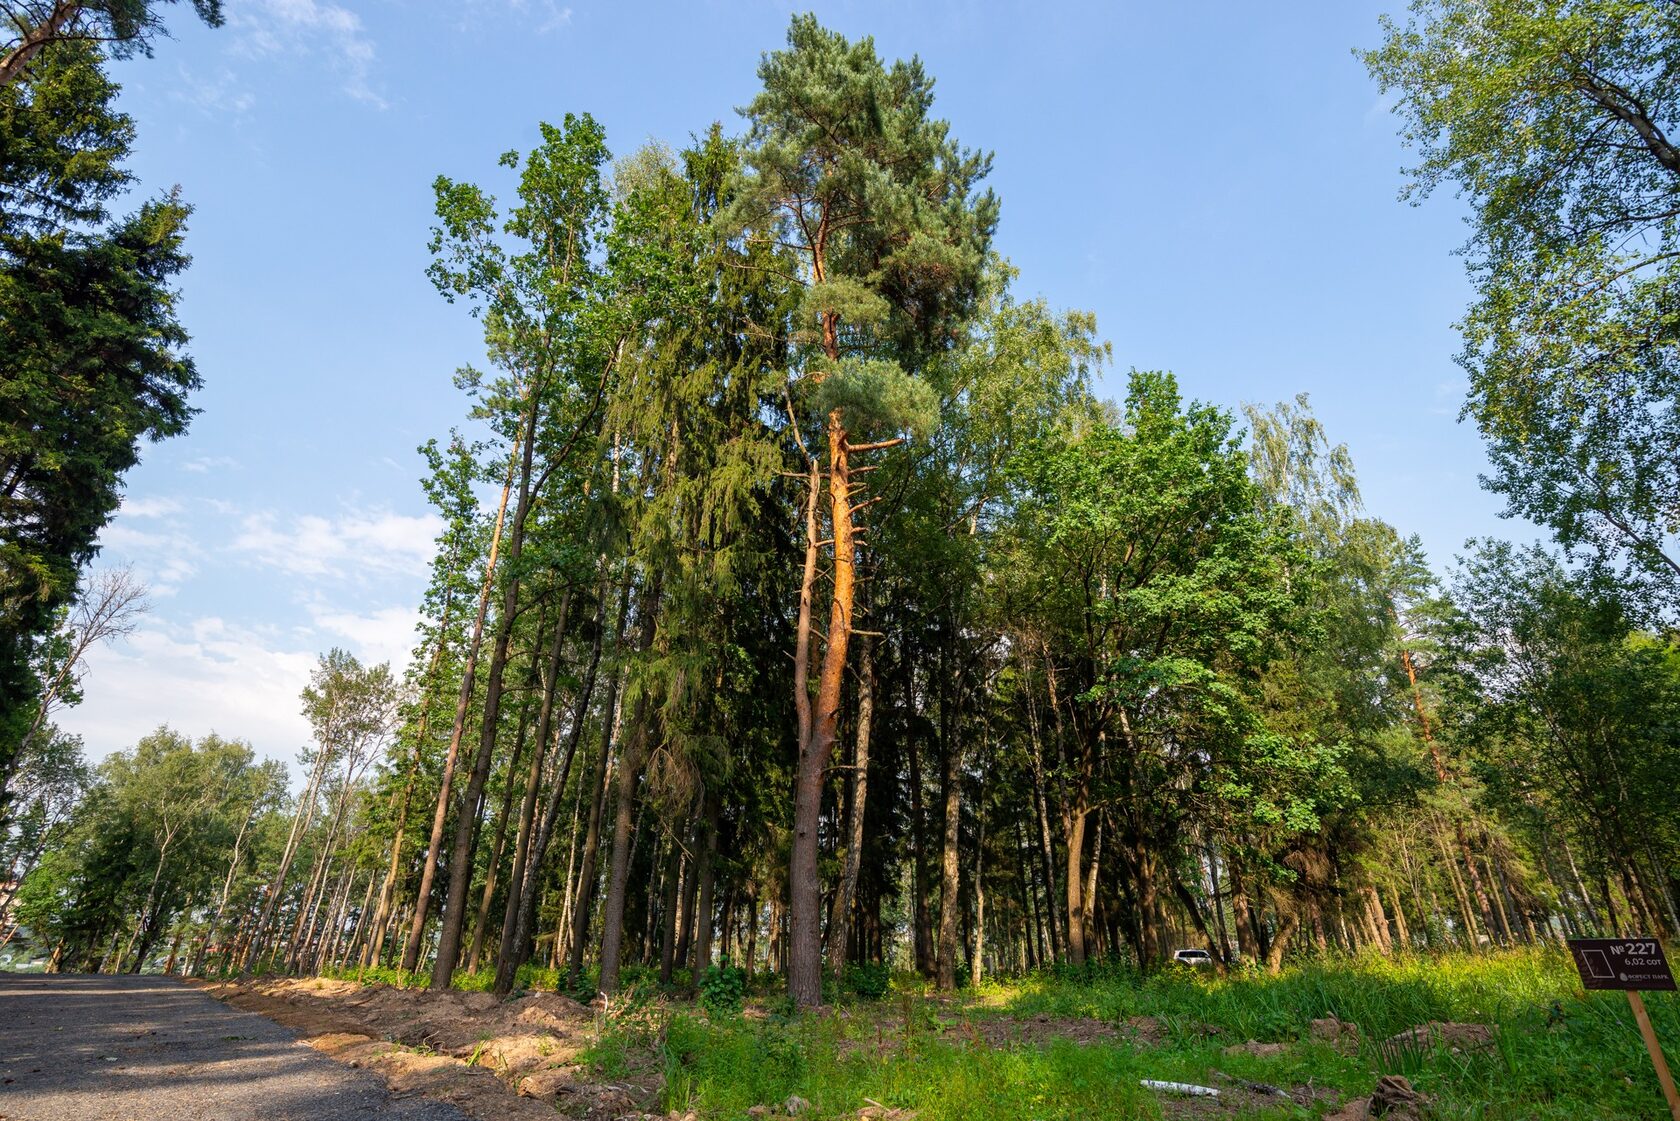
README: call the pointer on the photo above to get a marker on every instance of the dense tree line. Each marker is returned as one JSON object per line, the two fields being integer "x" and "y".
{"x": 801, "y": 604}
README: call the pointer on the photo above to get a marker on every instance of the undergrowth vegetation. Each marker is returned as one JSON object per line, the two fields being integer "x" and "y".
{"x": 1014, "y": 1049}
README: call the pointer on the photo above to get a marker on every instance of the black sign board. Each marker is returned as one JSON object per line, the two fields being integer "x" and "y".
{"x": 1621, "y": 963}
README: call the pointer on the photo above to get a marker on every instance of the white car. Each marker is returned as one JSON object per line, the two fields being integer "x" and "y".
{"x": 1192, "y": 957}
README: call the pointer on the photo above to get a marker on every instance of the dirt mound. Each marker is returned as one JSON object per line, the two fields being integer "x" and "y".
{"x": 1393, "y": 1099}
{"x": 1457, "y": 1038}
{"x": 1007, "y": 1032}
{"x": 1231, "y": 1095}
{"x": 491, "y": 1058}
{"x": 1340, "y": 1034}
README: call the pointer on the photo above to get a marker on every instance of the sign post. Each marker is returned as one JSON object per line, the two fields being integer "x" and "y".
{"x": 1631, "y": 964}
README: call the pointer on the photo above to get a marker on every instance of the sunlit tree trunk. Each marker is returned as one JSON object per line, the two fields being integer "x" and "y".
{"x": 845, "y": 897}
{"x": 463, "y": 704}
{"x": 452, "y": 921}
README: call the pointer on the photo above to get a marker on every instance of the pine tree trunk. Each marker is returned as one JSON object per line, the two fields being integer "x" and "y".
{"x": 845, "y": 898}
{"x": 519, "y": 919}
{"x": 669, "y": 901}
{"x": 57, "y": 20}
{"x": 690, "y": 886}
{"x": 452, "y": 921}
{"x": 918, "y": 858}
{"x": 816, "y": 753}
{"x": 976, "y": 963}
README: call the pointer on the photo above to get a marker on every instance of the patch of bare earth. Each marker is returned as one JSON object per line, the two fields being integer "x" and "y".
{"x": 492, "y": 1059}
{"x": 887, "y": 1035}
{"x": 1241, "y": 1097}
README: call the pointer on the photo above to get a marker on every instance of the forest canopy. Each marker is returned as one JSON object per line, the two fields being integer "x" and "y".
{"x": 802, "y": 606}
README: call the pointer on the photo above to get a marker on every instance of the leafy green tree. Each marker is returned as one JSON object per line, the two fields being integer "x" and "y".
{"x": 1140, "y": 561}
{"x": 52, "y": 781}
{"x": 88, "y": 329}
{"x": 461, "y": 548}
{"x": 547, "y": 337}
{"x": 1566, "y": 692}
{"x": 1556, "y": 122}
{"x": 146, "y": 845}
{"x": 1343, "y": 689}
{"x": 693, "y": 414}
{"x": 352, "y": 713}
{"x": 1018, "y": 374}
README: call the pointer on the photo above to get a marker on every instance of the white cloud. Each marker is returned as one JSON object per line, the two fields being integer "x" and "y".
{"x": 537, "y": 17}
{"x": 203, "y": 677}
{"x": 383, "y": 635}
{"x": 205, "y": 464}
{"x": 229, "y": 648}
{"x": 550, "y": 17}
{"x": 1382, "y": 106}
{"x": 163, "y": 558}
{"x": 359, "y": 542}
{"x": 213, "y": 95}
{"x": 311, "y": 27}
{"x": 158, "y": 507}
{"x": 211, "y": 675}
{"x": 1449, "y": 396}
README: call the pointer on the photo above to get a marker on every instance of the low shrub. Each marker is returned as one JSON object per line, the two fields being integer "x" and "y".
{"x": 722, "y": 989}
{"x": 870, "y": 980}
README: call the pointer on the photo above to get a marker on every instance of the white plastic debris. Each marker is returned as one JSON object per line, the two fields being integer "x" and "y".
{"x": 1188, "y": 1088}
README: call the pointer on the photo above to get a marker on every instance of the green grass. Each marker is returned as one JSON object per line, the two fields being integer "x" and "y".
{"x": 724, "y": 1071}
{"x": 1560, "y": 1054}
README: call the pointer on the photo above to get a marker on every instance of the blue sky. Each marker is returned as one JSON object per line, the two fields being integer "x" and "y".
{"x": 1216, "y": 181}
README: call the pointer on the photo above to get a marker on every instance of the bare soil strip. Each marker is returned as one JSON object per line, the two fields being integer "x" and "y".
{"x": 489, "y": 1058}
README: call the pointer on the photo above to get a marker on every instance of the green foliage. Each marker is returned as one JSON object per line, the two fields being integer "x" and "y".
{"x": 868, "y": 979}
{"x": 91, "y": 331}
{"x": 122, "y": 27}
{"x": 51, "y": 780}
{"x": 149, "y": 841}
{"x": 880, "y": 208}
{"x": 1554, "y": 121}
{"x": 722, "y": 988}
{"x": 878, "y": 399}
{"x": 1555, "y": 1047}
{"x": 1140, "y": 555}
{"x": 1569, "y": 707}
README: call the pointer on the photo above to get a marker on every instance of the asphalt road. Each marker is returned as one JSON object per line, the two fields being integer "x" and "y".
{"x": 104, "y": 1048}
